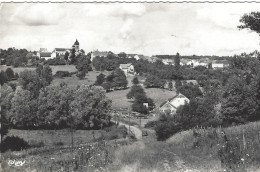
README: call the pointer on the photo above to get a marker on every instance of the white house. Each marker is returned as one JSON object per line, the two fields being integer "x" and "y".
{"x": 220, "y": 64}
{"x": 173, "y": 103}
{"x": 127, "y": 68}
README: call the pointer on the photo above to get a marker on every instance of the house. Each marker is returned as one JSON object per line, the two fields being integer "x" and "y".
{"x": 173, "y": 103}
{"x": 60, "y": 51}
{"x": 153, "y": 59}
{"x": 220, "y": 64}
{"x": 168, "y": 61}
{"x": 96, "y": 53}
{"x": 204, "y": 62}
{"x": 127, "y": 68}
{"x": 45, "y": 55}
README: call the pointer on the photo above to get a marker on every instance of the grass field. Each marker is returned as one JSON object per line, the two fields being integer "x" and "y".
{"x": 157, "y": 94}
{"x": 70, "y": 68}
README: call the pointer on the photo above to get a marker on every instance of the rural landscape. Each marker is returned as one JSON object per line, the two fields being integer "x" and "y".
{"x": 77, "y": 110}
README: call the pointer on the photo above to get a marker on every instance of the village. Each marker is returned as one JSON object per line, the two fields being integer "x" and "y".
{"x": 130, "y": 87}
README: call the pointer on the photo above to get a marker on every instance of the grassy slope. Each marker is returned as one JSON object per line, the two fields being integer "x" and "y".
{"x": 204, "y": 155}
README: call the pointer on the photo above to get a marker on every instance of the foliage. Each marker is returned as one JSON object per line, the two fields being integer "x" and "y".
{"x": 61, "y": 74}
{"x": 240, "y": 102}
{"x": 135, "y": 89}
{"x": 135, "y": 81}
{"x": 153, "y": 81}
{"x": 14, "y": 144}
{"x": 190, "y": 90}
{"x": 55, "y": 61}
{"x": 251, "y": 21}
{"x": 137, "y": 92}
{"x": 83, "y": 65}
{"x": 3, "y": 77}
{"x": 14, "y": 57}
{"x": 170, "y": 85}
{"x": 177, "y": 61}
{"x": 9, "y": 73}
{"x": 116, "y": 79}
{"x": 100, "y": 79}
{"x": 90, "y": 107}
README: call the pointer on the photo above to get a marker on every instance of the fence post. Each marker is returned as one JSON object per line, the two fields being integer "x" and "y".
{"x": 244, "y": 139}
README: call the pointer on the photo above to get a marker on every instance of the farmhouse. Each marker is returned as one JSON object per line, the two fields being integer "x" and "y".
{"x": 127, "y": 68}
{"x": 173, "y": 103}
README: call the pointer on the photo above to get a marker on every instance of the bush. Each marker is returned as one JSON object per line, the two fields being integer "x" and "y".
{"x": 58, "y": 143}
{"x": 114, "y": 133}
{"x": 13, "y": 143}
{"x": 166, "y": 129}
{"x": 55, "y": 61}
{"x": 61, "y": 74}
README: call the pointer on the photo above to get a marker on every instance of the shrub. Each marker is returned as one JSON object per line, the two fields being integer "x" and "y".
{"x": 58, "y": 143}
{"x": 13, "y": 143}
{"x": 61, "y": 74}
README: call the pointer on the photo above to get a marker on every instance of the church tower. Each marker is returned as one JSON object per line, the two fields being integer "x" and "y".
{"x": 76, "y": 45}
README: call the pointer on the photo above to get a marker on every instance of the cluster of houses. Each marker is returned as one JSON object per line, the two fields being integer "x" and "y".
{"x": 44, "y": 53}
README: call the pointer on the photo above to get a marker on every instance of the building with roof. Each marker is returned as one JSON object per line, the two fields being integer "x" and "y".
{"x": 127, "y": 68}
{"x": 173, "y": 103}
{"x": 96, "y": 53}
{"x": 43, "y": 53}
{"x": 219, "y": 64}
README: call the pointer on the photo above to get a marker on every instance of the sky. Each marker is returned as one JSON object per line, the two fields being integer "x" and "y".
{"x": 141, "y": 28}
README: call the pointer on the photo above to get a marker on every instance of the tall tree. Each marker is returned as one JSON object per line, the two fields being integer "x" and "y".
{"x": 251, "y": 21}
{"x": 83, "y": 65}
{"x": 177, "y": 61}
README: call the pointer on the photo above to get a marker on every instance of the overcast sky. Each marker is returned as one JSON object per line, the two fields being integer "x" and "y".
{"x": 201, "y": 29}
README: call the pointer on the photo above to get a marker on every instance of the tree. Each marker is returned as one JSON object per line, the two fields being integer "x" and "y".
{"x": 170, "y": 85}
{"x": 177, "y": 61}
{"x": 251, "y": 21}
{"x": 122, "y": 55}
{"x": 30, "y": 80}
{"x": 100, "y": 79}
{"x": 9, "y": 73}
{"x": 66, "y": 56}
{"x": 190, "y": 91}
{"x": 3, "y": 77}
{"x": 23, "y": 109}
{"x": 135, "y": 89}
{"x": 90, "y": 107}
{"x": 135, "y": 81}
{"x": 116, "y": 79}
{"x": 45, "y": 73}
{"x": 73, "y": 56}
{"x": 83, "y": 65}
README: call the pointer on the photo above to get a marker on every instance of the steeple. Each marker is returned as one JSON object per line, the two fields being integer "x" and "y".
{"x": 76, "y": 45}
{"x": 76, "y": 42}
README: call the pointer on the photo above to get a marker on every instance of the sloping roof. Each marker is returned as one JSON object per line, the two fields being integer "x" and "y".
{"x": 62, "y": 49}
{"x": 170, "y": 99}
{"x": 220, "y": 62}
{"x": 123, "y": 66}
{"x": 100, "y": 53}
{"x": 77, "y": 42}
{"x": 45, "y": 54}
{"x": 167, "y": 102}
